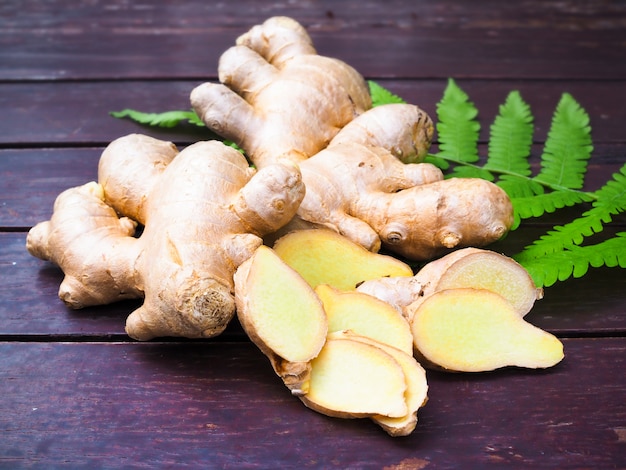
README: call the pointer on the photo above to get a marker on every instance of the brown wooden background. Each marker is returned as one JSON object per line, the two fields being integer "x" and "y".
{"x": 76, "y": 392}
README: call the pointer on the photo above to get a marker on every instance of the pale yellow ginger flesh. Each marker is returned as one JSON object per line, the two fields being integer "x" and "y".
{"x": 475, "y": 330}
{"x": 365, "y": 315}
{"x": 351, "y": 379}
{"x": 416, "y": 394}
{"x": 281, "y": 314}
{"x": 467, "y": 267}
{"x": 204, "y": 212}
{"x": 482, "y": 269}
{"x": 324, "y": 257}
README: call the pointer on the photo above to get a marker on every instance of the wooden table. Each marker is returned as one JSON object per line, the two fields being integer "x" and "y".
{"x": 75, "y": 391}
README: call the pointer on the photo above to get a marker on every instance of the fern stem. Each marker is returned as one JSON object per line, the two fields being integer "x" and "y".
{"x": 553, "y": 187}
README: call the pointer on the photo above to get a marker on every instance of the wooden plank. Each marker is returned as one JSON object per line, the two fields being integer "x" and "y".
{"x": 29, "y": 304}
{"x": 183, "y": 40}
{"x": 155, "y": 405}
{"x": 44, "y": 114}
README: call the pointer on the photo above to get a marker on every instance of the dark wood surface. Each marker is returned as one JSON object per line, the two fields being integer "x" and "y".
{"x": 76, "y": 392}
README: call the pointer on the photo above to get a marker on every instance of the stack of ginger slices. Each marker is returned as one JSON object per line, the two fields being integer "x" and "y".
{"x": 350, "y": 332}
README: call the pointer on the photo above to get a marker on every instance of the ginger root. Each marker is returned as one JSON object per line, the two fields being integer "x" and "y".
{"x": 476, "y": 330}
{"x": 203, "y": 212}
{"x": 278, "y": 99}
{"x": 282, "y": 315}
{"x": 323, "y": 256}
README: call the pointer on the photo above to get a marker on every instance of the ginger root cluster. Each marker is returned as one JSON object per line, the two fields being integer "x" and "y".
{"x": 189, "y": 232}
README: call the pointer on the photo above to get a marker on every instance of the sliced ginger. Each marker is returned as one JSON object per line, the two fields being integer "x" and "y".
{"x": 365, "y": 315}
{"x": 475, "y": 330}
{"x": 326, "y": 257}
{"x": 482, "y": 269}
{"x": 467, "y": 267}
{"x": 281, "y": 314}
{"x": 416, "y": 394}
{"x": 353, "y": 379}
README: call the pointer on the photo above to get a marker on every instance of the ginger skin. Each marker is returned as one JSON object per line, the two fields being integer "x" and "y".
{"x": 279, "y": 99}
{"x": 204, "y": 214}
{"x": 282, "y": 316}
{"x": 370, "y": 197}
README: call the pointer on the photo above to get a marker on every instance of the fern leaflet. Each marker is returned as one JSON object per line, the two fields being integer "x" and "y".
{"x": 610, "y": 200}
{"x": 511, "y": 137}
{"x": 576, "y": 260}
{"x": 165, "y": 119}
{"x": 568, "y": 146}
{"x": 457, "y": 125}
{"x": 381, "y": 95}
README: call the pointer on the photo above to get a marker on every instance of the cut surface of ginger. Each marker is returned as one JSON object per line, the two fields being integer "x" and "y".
{"x": 365, "y": 315}
{"x": 416, "y": 394}
{"x": 352, "y": 379}
{"x": 474, "y": 330}
{"x": 278, "y": 309}
{"x": 483, "y": 269}
{"x": 325, "y": 257}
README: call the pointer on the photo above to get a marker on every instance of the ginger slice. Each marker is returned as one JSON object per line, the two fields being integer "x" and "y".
{"x": 475, "y": 330}
{"x": 325, "y": 257}
{"x": 365, "y": 315}
{"x": 416, "y": 394}
{"x": 482, "y": 269}
{"x": 352, "y": 379}
{"x": 467, "y": 267}
{"x": 281, "y": 314}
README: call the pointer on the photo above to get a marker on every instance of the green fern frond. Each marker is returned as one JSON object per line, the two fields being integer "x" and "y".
{"x": 166, "y": 119}
{"x": 568, "y": 146}
{"x": 575, "y": 261}
{"x": 611, "y": 198}
{"x": 381, "y": 95}
{"x": 610, "y": 201}
{"x": 457, "y": 126}
{"x": 520, "y": 187}
{"x": 538, "y": 204}
{"x": 511, "y": 137}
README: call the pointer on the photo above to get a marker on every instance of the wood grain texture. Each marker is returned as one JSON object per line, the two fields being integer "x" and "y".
{"x": 169, "y": 39}
{"x": 54, "y": 114}
{"x": 221, "y": 406}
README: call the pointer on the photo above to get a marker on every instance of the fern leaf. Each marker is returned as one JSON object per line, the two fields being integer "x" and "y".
{"x": 457, "y": 126}
{"x": 610, "y": 200}
{"x": 519, "y": 187}
{"x": 511, "y": 137}
{"x": 381, "y": 95}
{"x": 568, "y": 146}
{"x": 166, "y": 119}
{"x": 576, "y": 261}
{"x": 538, "y": 204}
